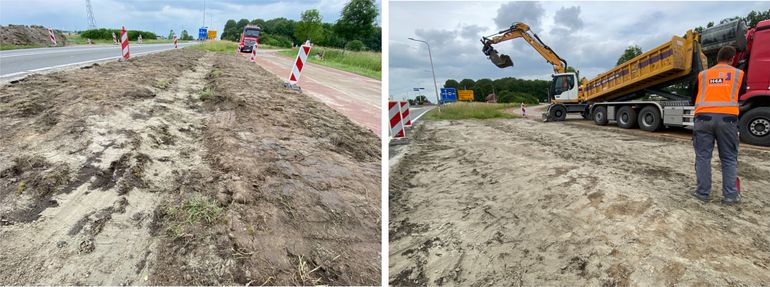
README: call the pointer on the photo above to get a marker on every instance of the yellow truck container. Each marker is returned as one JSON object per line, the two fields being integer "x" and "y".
{"x": 664, "y": 63}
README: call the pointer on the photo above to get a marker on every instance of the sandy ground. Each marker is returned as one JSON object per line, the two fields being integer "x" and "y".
{"x": 180, "y": 169}
{"x": 354, "y": 96}
{"x": 521, "y": 202}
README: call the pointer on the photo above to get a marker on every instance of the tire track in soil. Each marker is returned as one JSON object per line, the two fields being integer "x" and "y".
{"x": 98, "y": 230}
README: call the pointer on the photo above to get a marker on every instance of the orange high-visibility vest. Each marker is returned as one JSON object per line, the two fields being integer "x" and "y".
{"x": 718, "y": 90}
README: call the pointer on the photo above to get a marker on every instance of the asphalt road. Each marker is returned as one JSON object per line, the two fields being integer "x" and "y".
{"x": 21, "y": 62}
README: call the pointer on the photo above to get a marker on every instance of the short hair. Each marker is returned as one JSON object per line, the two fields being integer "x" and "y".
{"x": 725, "y": 54}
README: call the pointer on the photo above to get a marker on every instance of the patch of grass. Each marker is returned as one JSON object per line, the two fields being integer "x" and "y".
{"x": 22, "y": 186}
{"x": 219, "y": 46}
{"x": 461, "y": 111}
{"x": 162, "y": 84}
{"x": 215, "y": 73}
{"x": 207, "y": 93}
{"x": 194, "y": 210}
{"x": 14, "y": 47}
{"x": 368, "y": 64}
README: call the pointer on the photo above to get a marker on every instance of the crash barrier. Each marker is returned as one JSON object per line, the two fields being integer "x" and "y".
{"x": 175, "y": 42}
{"x": 396, "y": 121}
{"x": 52, "y": 36}
{"x": 299, "y": 63}
{"x": 114, "y": 40}
{"x": 124, "y": 43}
{"x": 405, "y": 114}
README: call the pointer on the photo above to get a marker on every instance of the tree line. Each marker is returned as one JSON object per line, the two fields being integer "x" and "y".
{"x": 356, "y": 29}
{"x": 507, "y": 90}
{"x": 106, "y": 34}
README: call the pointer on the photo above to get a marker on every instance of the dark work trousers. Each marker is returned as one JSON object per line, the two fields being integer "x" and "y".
{"x": 724, "y": 129}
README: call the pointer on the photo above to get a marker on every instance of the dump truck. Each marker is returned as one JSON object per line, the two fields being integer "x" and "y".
{"x": 249, "y": 38}
{"x": 637, "y": 93}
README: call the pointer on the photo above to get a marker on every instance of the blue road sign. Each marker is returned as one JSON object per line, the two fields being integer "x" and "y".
{"x": 448, "y": 95}
{"x": 203, "y": 33}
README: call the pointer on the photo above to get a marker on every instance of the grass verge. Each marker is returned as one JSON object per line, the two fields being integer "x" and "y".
{"x": 461, "y": 111}
{"x": 216, "y": 46}
{"x": 14, "y": 47}
{"x": 368, "y": 64}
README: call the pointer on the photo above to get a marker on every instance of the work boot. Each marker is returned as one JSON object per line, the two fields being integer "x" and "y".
{"x": 704, "y": 198}
{"x": 731, "y": 200}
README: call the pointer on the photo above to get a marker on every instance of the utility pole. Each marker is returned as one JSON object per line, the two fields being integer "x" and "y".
{"x": 90, "y": 15}
{"x": 433, "y": 70}
{"x": 204, "y": 13}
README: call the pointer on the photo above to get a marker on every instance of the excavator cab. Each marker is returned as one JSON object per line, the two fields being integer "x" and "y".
{"x": 500, "y": 60}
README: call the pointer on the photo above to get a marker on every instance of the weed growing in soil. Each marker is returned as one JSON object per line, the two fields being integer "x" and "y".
{"x": 215, "y": 73}
{"x": 460, "y": 111}
{"x": 196, "y": 209}
{"x": 207, "y": 94}
{"x": 162, "y": 84}
{"x": 304, "y": 273}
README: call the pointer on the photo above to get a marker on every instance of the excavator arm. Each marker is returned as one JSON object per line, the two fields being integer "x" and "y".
{"x": 520, "y": 30}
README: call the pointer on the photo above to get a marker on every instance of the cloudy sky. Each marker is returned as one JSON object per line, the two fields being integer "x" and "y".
{"x": 158, "y": 16}
{"x": 589, "y": 35}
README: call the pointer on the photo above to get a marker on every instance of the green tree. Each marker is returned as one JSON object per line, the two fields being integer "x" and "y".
{"x": 230, "y": 32}
{"x": 452, "y": 84}
{"x": 357, "y": 19}
{"x": 630, "y": 52}
{"x": 571, "y": 69}
{"x": 310, "y": 27}
{"x": 355, "y": 45}
{"x": 171, "y": 34}
{"x": 185, "y": 35}
{"x": 467, "y": 84}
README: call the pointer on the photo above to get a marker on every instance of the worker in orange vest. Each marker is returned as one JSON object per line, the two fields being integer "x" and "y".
{"x": 716, "y": 118}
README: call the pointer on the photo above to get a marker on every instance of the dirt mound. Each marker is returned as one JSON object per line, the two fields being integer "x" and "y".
{"x": 29, "y": 35}
{"x": 525, "y": 203}
{"x": 194, "y": 168}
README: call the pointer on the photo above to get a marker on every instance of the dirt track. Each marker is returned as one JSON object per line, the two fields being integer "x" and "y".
{"x": 520, "y": 202}
{"x": 182, "y": 168}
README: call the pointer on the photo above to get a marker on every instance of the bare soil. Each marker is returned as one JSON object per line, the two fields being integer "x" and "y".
{"x": 520, "y": 202}
{"x": 29, "y": 35}
{"x": 182, "y": 168}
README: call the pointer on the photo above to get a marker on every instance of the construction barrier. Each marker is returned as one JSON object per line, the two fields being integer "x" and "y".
{"x": 254, "y": 53}
{"x": 124, "y": 43}
{"x": 396, "y": 123}
{"x": 405, "y": 114}
{"x": 52, "y": 36}
{"x": 304, "y": 50}
{"x": 114, "y": 39}
{"x": 175, "y": 42}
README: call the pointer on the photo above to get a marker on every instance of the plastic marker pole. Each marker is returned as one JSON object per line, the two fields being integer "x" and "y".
{"x": 52, "y": 36}
{"x": 299, "y": 63}
{"x": 114, "y": 39}
{"x": 124, "y": 43}
{"x": 175, "y": 42}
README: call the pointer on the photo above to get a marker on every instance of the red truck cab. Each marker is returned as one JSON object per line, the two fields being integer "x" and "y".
{"x": 754, "y": 60}
{"x": 249, "y": 38}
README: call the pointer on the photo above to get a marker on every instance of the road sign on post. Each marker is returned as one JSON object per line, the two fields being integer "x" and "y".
{"x": 465, "y": 95}
{"x": 448, "y": 95}
{"x": 203, "y": 33}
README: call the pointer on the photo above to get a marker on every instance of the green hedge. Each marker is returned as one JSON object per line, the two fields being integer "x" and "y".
{"x": 275, "y": 40}
{"x": 106, "y": 34}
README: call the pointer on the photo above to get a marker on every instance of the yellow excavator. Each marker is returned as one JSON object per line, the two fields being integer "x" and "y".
{"x": 521, "y": 30}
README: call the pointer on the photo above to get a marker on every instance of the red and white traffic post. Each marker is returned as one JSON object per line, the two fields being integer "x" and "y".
{"x": 124, "y": 43}
{"x": 52, "y": 36}
{"x": 114, "y": 39}
{"x": 405, "y": 114}
{"x": 175, "y": 46}
{"x": 254, "y": 52}
{"x": 396, "y": 121}
{"x": 299, "y": 63}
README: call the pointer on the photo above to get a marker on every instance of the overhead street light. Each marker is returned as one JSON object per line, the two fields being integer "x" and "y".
{"x": 433, "y": 70}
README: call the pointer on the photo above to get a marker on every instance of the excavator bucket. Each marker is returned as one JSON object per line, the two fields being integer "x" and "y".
{"x": 500, "y": 60}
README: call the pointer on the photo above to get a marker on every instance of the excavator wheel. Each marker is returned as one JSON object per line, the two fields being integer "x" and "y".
{"x": 600, "y": 116}
{"x": 557, "y": 113}
{"x": 626, "y": 117}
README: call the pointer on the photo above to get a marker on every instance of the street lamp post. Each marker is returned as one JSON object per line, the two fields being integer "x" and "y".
{"x": 433, "y": 70}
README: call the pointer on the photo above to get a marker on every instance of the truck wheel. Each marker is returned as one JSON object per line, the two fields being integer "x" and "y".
{"x": 600, "y": 116}
{"x": 649, "y": 119}
{"x": 626, "y": 117}
{"x": 558, "y": 113}
{"x": 755, "y": 126}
